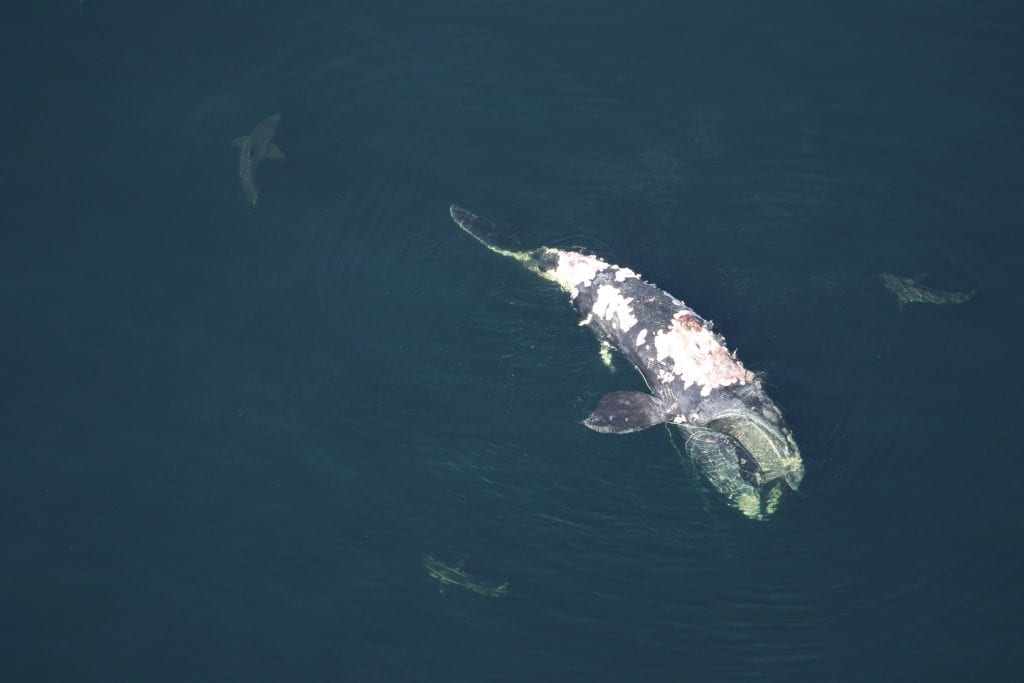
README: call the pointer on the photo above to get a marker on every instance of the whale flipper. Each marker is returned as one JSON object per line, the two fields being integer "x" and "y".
{"x": 621, "y": 412}
{"x": 240, "y": 141}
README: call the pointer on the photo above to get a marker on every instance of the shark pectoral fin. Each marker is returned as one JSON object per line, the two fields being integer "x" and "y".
{"x": 239, "y": 142}
{"x": 626, "y": 411}
{"x": 274, "y": 152}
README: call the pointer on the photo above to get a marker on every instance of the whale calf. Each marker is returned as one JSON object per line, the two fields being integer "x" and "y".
{"x": 733, "y": 432}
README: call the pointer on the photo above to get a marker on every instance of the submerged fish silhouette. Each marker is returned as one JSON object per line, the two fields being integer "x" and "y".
{"x": 454, "y": 575}
{"x": 909, "y": 290}
{"x": 254, "y": 148}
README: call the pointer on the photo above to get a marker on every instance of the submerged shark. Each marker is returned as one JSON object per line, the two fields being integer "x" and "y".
{"x": 254, "y": 148}
{"x": 448, "y": 575}
{"x": 909, "y": 290}
{"x": 733, "y": 433}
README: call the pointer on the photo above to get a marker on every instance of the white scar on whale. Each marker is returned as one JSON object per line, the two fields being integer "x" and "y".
{"x": 692, "y": 351}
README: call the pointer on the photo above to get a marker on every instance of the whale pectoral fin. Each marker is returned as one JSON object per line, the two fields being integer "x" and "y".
{"x": 274, "y": 152}
{"x": 606, "y": 354}
{"x": 626, "y": 411}
{"x": 239, "y": 142}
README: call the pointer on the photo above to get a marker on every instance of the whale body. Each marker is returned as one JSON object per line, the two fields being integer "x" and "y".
{"x": 733, "y": 432}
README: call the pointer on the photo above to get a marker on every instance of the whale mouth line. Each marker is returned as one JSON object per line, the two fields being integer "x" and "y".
{"x": 771, "y": 449}
{"x": 746, "y": 458}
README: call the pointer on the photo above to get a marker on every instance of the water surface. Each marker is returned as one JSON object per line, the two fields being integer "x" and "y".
{"x": 230, "y": 436}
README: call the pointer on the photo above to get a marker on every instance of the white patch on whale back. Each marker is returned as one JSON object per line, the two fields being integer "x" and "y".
{"x": 606, "y": 354}
{"x": 586, "y": 321}
{"x": 575, "y": 269}
{"x": 622, "y": 273}
{"x": 640, "y": 338}
{"x": 613, "y": 307}
{"x": 694, "y": 354}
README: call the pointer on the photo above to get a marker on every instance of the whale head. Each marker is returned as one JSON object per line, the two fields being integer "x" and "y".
{"x": 749, "y": 456}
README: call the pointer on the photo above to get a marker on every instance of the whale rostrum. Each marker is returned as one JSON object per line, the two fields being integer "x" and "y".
{"x": 732, "y": 431}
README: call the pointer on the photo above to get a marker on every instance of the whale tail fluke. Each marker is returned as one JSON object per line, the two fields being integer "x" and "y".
{"x": 486, "y": 233}
{"x": 480, "y": 229}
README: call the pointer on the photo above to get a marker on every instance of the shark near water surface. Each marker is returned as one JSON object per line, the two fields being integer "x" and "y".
{"x": 909, "y": 290}
{"x": 454, "y": 575}
{"x": 254, "y": 148}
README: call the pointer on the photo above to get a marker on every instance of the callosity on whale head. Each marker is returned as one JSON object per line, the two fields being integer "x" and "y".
{"x": 732, "y": 431}
{"x": 748, "y": 456}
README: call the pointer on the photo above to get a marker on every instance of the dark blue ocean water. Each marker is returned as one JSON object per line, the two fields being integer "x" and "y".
{"x": 229, "y": 435}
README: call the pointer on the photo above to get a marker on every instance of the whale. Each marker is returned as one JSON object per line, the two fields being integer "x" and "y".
{"x": 732, "y": 432}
